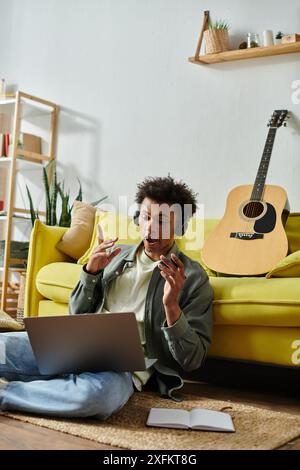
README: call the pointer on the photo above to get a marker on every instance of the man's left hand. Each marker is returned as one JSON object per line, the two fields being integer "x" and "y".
{"x": 173, "y": 273}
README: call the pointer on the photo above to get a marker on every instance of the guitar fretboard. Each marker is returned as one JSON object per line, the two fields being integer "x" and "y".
{"x": 262, "y": 172}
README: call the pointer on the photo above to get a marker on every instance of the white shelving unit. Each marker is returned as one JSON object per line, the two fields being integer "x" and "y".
{"x": 22, "y": 165}
{"x": 22, "y": 107}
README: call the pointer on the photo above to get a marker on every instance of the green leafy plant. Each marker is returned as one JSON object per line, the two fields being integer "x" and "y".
{"x": 53, "y": 189}
{"x": 65, "y": 217}
{"x": 279, "y": 35}
{"x": 33, "y": 214}
{"x": 219, "y": 24}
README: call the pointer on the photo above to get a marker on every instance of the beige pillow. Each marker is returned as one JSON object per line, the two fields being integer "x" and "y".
{"x": 9, "y": 324}
{"x": 77, "y": 239}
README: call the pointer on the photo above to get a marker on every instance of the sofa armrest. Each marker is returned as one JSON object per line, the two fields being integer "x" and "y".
{"x": 42, "y": 251}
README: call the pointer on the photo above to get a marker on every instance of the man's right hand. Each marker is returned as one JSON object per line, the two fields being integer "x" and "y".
{"x": 100, "y": 258}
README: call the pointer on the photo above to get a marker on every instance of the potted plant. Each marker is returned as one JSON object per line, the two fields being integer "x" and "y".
{"x": 216, "y": 37}
{"x": 52, "y": 191}
{"x": 278, "y": 37}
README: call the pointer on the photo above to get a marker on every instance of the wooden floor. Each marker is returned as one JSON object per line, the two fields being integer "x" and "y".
{"x": 16, "y": 435}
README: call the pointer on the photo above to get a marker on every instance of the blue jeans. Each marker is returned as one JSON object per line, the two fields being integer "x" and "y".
{"x": 90, "y": 394}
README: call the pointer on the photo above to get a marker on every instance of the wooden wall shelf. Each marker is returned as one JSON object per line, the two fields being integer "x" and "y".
{"x": 241, "y": 54}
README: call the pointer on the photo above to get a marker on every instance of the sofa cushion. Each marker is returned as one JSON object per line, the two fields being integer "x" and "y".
{"x": 49, "y": 308}
{"x": 256, "y": 301}
{"x": 287, "y": 267}
{"x": 56, "y": 281}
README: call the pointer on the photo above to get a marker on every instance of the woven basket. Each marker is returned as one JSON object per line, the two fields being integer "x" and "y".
{"x": 216, "y": 40}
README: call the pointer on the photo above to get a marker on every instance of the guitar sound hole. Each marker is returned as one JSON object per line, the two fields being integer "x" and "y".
{"x": 253, "y": 209}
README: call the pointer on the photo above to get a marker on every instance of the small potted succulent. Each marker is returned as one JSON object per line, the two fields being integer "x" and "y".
{"x": 216, "y": 37}
{"x": 278, "y": 37}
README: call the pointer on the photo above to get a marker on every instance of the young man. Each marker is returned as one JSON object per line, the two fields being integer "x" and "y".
{"x": 169, "y": 293}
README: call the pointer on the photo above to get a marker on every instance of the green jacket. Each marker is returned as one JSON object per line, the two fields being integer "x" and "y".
{"x": 178, "y": 348}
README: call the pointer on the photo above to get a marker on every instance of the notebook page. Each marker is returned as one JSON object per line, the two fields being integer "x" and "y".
{"x": 168, "y": 417}
{"x": 210, "y": 420}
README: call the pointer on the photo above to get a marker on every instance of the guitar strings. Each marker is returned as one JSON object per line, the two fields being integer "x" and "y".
{"x": 252, "y": 207}
{"x": 266, "y": 161}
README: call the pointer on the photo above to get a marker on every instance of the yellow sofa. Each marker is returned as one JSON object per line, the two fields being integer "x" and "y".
{"x": 256, "y": 319}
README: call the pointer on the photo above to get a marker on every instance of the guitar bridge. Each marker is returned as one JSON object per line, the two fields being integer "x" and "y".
{"x": 246, "y": 235}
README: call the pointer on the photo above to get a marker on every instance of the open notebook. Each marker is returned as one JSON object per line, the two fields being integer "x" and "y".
{"x": 197, "y": 419}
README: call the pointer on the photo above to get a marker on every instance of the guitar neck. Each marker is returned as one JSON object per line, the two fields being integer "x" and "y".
{"x": 262, "y": 172}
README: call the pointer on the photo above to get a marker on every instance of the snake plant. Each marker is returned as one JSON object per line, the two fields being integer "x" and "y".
{"x": 219, "y": 24}
{"x": 52, "y": 191}
{"x": 33, "y": 214}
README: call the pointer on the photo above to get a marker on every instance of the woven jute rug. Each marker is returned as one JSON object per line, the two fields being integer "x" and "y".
{"x": 256, "y": 428}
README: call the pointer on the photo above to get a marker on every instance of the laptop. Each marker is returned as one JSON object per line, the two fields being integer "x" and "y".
{"x": 87, "y": 343}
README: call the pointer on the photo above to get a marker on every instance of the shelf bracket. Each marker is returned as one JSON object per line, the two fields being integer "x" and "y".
{"x": 205, "y": 26}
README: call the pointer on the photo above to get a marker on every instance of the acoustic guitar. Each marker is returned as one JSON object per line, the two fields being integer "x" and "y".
{"x": 250, "y": 238}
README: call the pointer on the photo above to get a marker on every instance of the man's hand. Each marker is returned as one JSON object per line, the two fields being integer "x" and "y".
{"x": 100, "y": 258}
{"x": 173, "y": 273}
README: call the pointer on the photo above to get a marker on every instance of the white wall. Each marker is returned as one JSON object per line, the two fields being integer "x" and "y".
{"x": 133, "y": 106}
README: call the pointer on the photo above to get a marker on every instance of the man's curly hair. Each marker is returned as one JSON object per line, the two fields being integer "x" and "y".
{"x": 167, "y": 190}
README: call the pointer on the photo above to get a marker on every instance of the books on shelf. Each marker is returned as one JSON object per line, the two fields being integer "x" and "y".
{"x": 198, "y": 419}
{"x": 30, "y": 142}
{"x": 4, "y": 144}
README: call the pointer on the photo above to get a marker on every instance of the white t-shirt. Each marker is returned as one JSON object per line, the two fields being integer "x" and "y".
{"x": 127, "y": 293}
